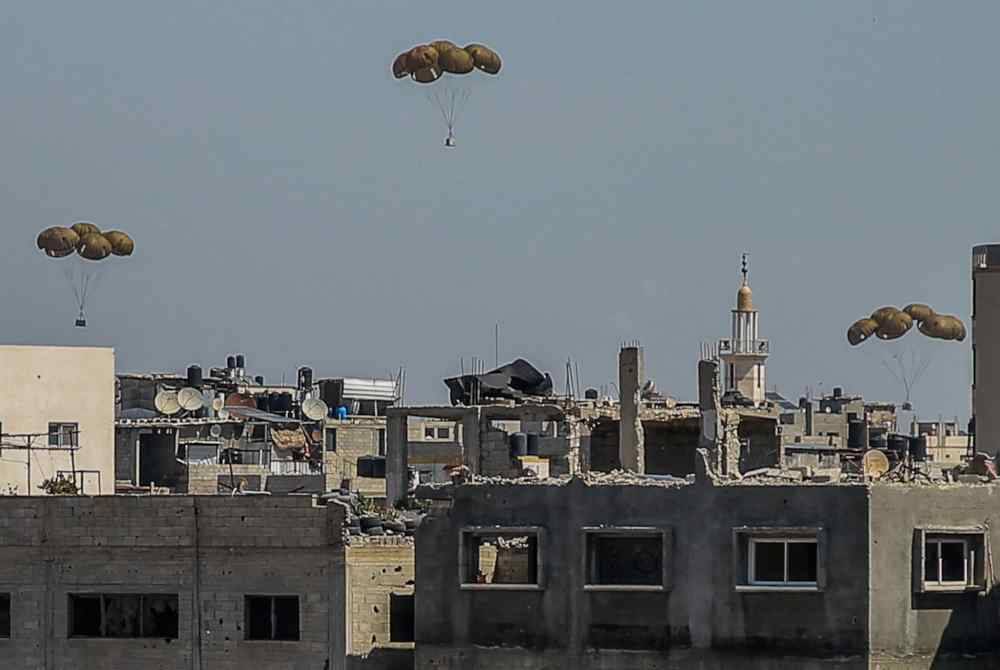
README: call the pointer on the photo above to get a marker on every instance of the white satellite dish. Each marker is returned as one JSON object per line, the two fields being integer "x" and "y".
{"x": 166, "y": 403}
{"x": 218, "y": 402}
{"x": 874, "y": 463}
{"x": 314, "y": 409}
{"x": 190, "y": 399}
{"x": 215, "y": 431}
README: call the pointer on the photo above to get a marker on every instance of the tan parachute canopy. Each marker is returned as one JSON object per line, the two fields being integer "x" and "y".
{"x": 83, "y": 229}
{"x": 94, "y": 247}
{"x": 121, "y": 243}
{"x": 425, "y": 63}
{"x": 58, "y": 242}
{"x": 891, "y": 323}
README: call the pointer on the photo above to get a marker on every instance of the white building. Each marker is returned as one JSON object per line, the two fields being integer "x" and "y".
{"x": 744, "y": 353}
{"x": 57, "y": 418}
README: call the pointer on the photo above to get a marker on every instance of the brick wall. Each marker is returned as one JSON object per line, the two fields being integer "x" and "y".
{"x": 376, "y": 568}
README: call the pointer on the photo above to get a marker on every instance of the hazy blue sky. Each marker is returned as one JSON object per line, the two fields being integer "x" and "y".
{"x": 292, "y": 201}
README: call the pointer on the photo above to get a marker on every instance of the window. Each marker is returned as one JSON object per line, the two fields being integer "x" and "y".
{"x": 629, "y": 559}
{"x": 507, "y": 558}
{"x": 783, "y": 562}
{"x": 271, "y": 617}
{"x": 381, "y": 441}
{"x": 123, "y": 615}
{"x": 63, "y": 434}
{"x": 429, "y": 433}
{"x": 444, "y": 433}
{"x": 779, "y": 559}
{"x": 4, "y": 615}
{"x": 951, "y": 560}
{"x": 331, "y": 439}
{"x": 401, "y": 618}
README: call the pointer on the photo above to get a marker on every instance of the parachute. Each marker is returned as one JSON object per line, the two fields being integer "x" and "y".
{"x": 892, "y": 323}
{"x": 443, "y": 66}
{"x": 83, "y": 251}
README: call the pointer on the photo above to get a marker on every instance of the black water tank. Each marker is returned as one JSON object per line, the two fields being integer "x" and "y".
{"x": 230, "y": 362}
{"x": 918, "y": 449}
{"x": 591, "y": 394}
{"x": 241, "y": 361}
{"x": 876, "y": 441}
{"x": 518, "y": 445}
{"x": 855, "y": 434}
{"x": 898, "y": 443}
{"x": 371, "y": 466}
{"x": 305, "y": 378}
{"x": 803, "y": 402}
{"x": 533, "y": 442}
{"x": 263, "y": 403}
{"x": 194, "y": 377}
{"x": 837, "y": 392}
{"x": 281, "y": 403}
{"x": 259, "y": 380}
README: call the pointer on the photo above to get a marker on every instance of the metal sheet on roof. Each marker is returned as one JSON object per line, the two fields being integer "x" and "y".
{"x": 370, "y": 389}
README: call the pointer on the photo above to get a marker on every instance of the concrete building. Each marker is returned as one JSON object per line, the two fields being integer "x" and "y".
{"x": 744, "y": 354}
{"x": 986, "y": 346}
{"x": 602, "y": 572}
{"x": 203, "y": 582}
{"x": 60, "y": 402}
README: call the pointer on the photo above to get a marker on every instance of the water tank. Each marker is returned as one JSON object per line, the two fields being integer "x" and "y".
{"x": 876, "y": 441}
{"x": 855, "y": 434}
{"x": 264, "y": 403}
{"x": 230, "y": 362}
{"x": 305, "y": 379}
{"x": 898, "y": 443}
{"x": 259, "y": 380}
{"x": 918, "y": 449}
{"x": 591, "y": 394}
{"x": 241, "y": 361}
{"x": 803, "y": 402}
{"x": 342, "y": 413}
{"x": 371, "y": 466}
{"x": 518, "y": 445}
{"x": 194, "y": 377}
{"x": 281, "y": 403}
{"x": 533, "y": 441}
{"x": 838, "y": 392}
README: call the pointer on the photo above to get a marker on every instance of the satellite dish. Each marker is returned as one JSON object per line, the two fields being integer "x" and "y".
{"x": 315, "y": 409}
{"x": 874, "y": 463}
{"x": 190, "y": 399}
{"x": 218, "y": 402}
{"x": 166, "y": 403}
{"x": 215, "y": 431}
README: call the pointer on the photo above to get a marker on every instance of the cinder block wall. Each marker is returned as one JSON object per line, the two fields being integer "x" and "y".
{"x": 377, "y": 567}
{"x": 207, "y": 550}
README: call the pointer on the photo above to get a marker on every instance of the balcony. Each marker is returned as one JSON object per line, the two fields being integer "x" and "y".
{"x": 747, "y": 347}
{"x": 294, "y": 468}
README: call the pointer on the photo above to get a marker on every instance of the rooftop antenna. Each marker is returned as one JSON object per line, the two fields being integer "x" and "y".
{"x": 496, "y": 344}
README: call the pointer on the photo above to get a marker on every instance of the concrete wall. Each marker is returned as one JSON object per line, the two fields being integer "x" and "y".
{"x": 43, "y": 385}
{"x": 354, "y": 440}
{"x": 986, "y": 350}
{"x": 924, "y": 627}
{"x": 701, "y": 618}
{"x": 377, "y": 567}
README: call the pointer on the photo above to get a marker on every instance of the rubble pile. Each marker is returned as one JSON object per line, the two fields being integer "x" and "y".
{"x": 365, "y": 519}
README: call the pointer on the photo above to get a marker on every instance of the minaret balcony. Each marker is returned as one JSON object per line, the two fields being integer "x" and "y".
{"x": 744, "y": 347}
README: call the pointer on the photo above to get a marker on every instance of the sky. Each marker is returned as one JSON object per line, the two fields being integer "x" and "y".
{"x": 293, "y": 202}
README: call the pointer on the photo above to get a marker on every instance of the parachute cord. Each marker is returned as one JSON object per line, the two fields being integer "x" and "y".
{"x": 71, "y": 278}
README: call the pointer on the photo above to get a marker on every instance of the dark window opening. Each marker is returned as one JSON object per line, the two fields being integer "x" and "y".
{"x": 4, "y": 615}
{"x": 783, "y": 562}
{"x": 444, "y": 433}
{"x": 428, "y": 433}
{"x": 501, "y": 558}
{"x": 271, "y": 617}
{"x": 946, "y": 561}
{"x": 619, "y": 560}
{"x": 123, "y": 616}
{"x": 401, "y": 618}
{"x": 381, "y": 441}
{"x": 331, "y": 439}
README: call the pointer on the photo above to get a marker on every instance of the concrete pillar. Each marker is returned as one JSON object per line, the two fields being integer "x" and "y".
{"x": 709, "y": 404}
{"x": 471, "y": 430}
{"x": 397, "y": 474}
{"x": 631, "y": 441}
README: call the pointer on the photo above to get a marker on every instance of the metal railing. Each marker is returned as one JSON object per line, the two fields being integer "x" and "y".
{"x": 759, "y": 347}
{"x": 293, "y": 468}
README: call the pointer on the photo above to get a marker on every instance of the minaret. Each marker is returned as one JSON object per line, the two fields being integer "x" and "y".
{"x": 744, "y": 355}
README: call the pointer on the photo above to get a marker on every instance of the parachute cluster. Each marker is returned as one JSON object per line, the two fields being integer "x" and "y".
{"x": 86, "y": 240}
{"x": 891, "y": 323}
{"x": 426, "y": 63}
{"x": 83, "y": 246}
